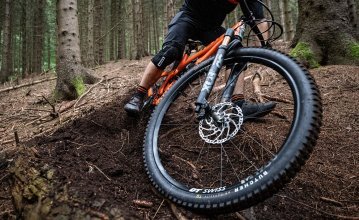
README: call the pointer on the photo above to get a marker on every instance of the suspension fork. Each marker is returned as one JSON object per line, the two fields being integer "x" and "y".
{"x": 202, "y": 107}
{"x": 236, "y": 70}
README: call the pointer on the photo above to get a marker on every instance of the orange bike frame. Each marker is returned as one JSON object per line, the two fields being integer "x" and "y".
{"x": 201, "y": 56}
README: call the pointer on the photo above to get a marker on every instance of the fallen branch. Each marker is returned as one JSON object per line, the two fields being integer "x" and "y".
{"x": 332, "y": 201}
{"x": 27, "y": 84}
{"x": 89, "y": 90}
{"x": 99, "y": 170}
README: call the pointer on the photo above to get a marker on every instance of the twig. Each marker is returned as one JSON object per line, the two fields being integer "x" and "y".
{"x": 277, "y": 99}
{"x": 7, "y": 142}
{"x": 40, "y": 110}
{"x": 331, "y": 201}
{"x": 187, "y": 162}
{"x": 40, "y": 118}
{"x": 279, "y": 115}
{"x": 67, "y": 106}
{"x": 16, "y": 138}
{"x": 321, "y": 211}
{"x": 27, "y": 84}
{"x": 6, "y": 175}
{"x": 54, "y": 113}
{"x": 239, "y": 216}
{"x": 176, "y": 212}
{"x": 99, "y": 214}
{"x": 83, "y": 95}
{"x": 99, "y": 170}
{"x": 81, "y": 145}
{"x": 172, "y": 130}
{"x": 158, "y": 209}
{"x": 257, "y": 78}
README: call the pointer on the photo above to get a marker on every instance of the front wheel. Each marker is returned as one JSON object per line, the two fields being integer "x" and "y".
{"x": 250, "y": 165}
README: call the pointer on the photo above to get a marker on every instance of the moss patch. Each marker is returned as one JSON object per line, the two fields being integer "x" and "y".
{"x": 79, "y": 85}
{"x": 354, "y": 50}
{"x": 303, "y": 52}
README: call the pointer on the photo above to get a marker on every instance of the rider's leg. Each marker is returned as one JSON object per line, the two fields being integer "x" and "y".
{"x": 151, "y": 75}
{"x": 167, "y": 55}
{"x": 180, "y": 30}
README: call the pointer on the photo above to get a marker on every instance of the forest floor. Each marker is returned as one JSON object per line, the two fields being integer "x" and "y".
{"x": 84, "y": 157}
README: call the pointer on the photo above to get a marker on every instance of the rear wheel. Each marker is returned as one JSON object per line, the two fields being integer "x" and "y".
{"x": 251, "y": 161}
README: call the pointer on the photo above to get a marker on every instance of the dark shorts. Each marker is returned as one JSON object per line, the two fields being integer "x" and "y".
{"x": 254, "y": 6}
{"x": 183, "y": 27}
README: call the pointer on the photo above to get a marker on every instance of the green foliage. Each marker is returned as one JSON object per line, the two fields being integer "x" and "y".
{"x": 303, "y": 52}
{"x": 354, "y": 50}
{"x": 79, "y": 85}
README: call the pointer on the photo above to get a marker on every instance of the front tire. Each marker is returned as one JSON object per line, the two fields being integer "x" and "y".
{"x": 251, "y": 166}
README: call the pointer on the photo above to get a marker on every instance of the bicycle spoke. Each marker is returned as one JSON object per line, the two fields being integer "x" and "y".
{"x": 223, "y": 163}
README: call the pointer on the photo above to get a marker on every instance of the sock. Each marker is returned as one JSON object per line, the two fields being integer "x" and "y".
{"x": 141, "y": 91}
{"x": 237, "y": 97}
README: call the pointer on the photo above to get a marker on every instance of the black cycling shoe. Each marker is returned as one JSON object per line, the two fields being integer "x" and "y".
{"x": 253, "y": 110}
{"x": 134, "y": 106}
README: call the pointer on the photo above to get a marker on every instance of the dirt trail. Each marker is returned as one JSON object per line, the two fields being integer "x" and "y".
{"x": 88, "y": 161}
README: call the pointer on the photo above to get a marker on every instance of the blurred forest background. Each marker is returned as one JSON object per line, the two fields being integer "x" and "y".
{"x": 112, "y": 29}
{"x": 109, "y": 30}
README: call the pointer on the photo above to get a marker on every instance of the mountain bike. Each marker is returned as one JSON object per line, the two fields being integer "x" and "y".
{"x": 198, "y": 150}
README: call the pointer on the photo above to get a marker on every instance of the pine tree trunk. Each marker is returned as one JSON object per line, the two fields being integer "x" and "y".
{"x": 2, "y": 10}
{"x": 90, "y": 59}
{"x": 24, "y": 39}
{"x": 98, "y": 32}
{"x": 48, "y": 49}
{"x": 286, "y": 20}
{"x": 170, "y": 10}
{"x": 114, "y": 29}
{"x": 121, "y": 53}
{"x": 29, "y": 37}
{"x": 146, "y": 28}
{"x": 38, "y": 36}
{"x": 131, "y": 29}
{"x": 353, "y": 13}
{"x": 83, "y": 17}
{"x": 71, "y": 75}
{"x": 324, "y": 25}
{"x": 138, "y": 29}
{"x": 6, "y": 63}
{"x": 155, "y": 26}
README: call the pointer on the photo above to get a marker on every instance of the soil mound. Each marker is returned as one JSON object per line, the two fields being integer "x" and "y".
{"x": 90, "y": 164}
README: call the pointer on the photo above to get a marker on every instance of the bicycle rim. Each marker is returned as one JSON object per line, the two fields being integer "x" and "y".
{"x": 199, "y": 174}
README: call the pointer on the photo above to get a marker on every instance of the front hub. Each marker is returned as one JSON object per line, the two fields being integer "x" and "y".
{"x": 222, "y": 124}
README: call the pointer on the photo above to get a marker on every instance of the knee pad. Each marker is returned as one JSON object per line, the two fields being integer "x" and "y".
{"x": 166, "y": 56}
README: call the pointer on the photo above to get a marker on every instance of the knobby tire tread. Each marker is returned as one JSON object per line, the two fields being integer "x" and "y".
{"x": 276, "y": 182}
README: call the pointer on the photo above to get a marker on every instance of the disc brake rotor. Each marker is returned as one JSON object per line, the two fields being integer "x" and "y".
{"x": 229, "y": 118}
